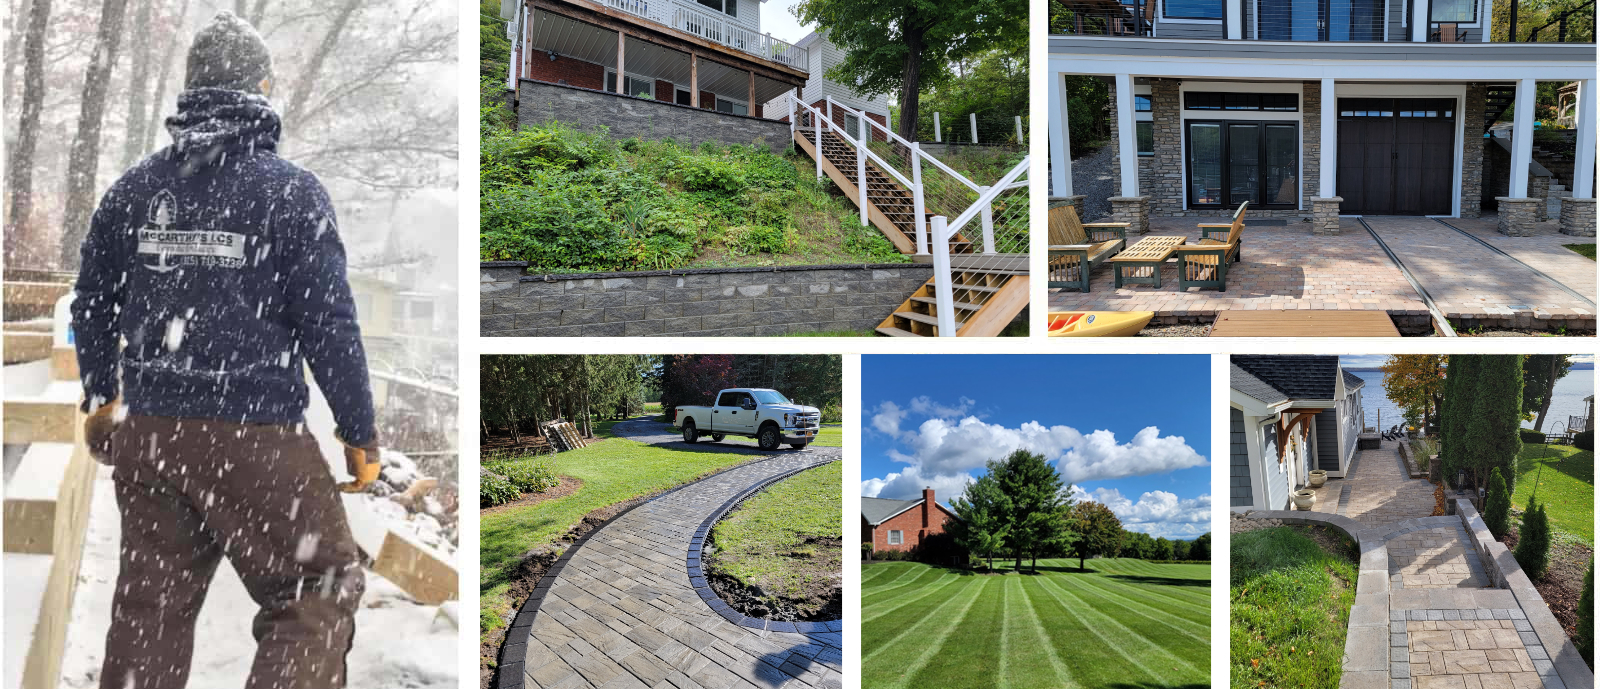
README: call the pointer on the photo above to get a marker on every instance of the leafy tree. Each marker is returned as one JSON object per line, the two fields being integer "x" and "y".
{"x": 993, "y": 85}
{"x": 693, "y": 379}
{"x": 1098, "y": 529}
{"x": 1038, "y": 504}
{"x": 1201, "y": 548}
{"x": 908, "y": 45}
{"x": 1461, "y": 385}
{"x": 982, "y": 525}
{"x": 1415, "y": 382}
{"x": 1492, "y": 439}
{"x": 1180, "y": 550}
{"x": 1497, "y": 506}
{"x": 494, "y": 49}
{"x": 1163, "y": 549}
{"x": 1539, "y": 375}
{"x": 1533, "y": 541}
{"x": 1585, "y": 635}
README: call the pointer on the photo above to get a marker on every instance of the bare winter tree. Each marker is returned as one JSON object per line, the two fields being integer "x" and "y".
{"x": 19, "y": 173}
{"x": 147, "y": 137}
{"x": 85, "y": 157}
{"x": 138, "y": 87}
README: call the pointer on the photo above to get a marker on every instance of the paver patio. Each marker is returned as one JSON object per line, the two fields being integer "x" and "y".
{"x": 1543, "y": 251}
{"x": 1377, "y": 491}
{"x": 623, "y": 611}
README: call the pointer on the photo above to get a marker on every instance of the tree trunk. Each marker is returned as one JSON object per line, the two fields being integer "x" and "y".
{"x": 85, "y": 156}
{"x": 307, "y": 81}
{"x": 14, "y": 39}
{"x": 1080, "y": 560}
{"x": 133, "y": 142}
{"x": 1549, "y": 391}
{"x": 152, "y": 122}
{"x": 910, "y": 83}
{"x": 19, "y": 174}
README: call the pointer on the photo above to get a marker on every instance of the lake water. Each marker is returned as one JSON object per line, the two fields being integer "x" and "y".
{"x": 1568, "y": 401}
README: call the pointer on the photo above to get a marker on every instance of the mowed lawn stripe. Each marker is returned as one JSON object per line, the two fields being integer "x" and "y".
{"x": 969, "y": 656}
{"x": 879, "y": 609}
{"x": 1171, "y": 666}
{"x": 894, "y": 663}
{"x": 1089, "y": 652}
{"x": 1138, "y": 596}
{"x": 922, "y": 579}
{"x": 881, "y": 633}
{"x": 1166, "y": 618}
{"x": 1187, "y": 650}
{"x": 1027, "y": 649}
{"x": 898, "y": 570}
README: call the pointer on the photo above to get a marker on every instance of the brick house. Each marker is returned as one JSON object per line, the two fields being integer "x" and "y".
{"x": 902, "y": 524}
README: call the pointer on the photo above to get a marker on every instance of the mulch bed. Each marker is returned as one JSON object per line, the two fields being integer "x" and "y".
{"x": 1438, "y": 501}
{"x": 1562, "y": 584}
{"x": 567, "y": 486}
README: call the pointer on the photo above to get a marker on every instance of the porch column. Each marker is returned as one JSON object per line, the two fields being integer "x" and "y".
{"x": 1419, "y": 21}
{"x": 694, "y": 80}
{"x": 1060, "y": 140}
{"x": 1129, "y": 207}
{"x": 751, "y": 111}
{"x": 1518, "y": 212}
{"x": 1235, "y": 19}
{"x": 1325, "y": 207}
{"x": 1578, "y": 212}
{"x": 622, "y": 81}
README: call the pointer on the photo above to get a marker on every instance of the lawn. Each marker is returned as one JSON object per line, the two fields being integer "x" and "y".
{"x": 1566, "y": 486}
{"x": 827, "y": 436}
{"x": 1290, "y": 604}
{"x": 1123, "y": 623}
{"x": 1586, "y": 250}
{"x": 786, "y": 541}
{"x": 612, "y": 471}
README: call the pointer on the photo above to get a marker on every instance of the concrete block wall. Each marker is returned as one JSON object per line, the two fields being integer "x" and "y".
{"x": 629, "y": 117}
{"x": 700, "y": 303}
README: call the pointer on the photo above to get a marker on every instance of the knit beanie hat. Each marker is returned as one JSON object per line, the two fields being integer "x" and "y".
{"x": 228, "y": 54}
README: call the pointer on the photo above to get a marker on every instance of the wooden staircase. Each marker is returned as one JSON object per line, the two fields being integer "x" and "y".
{"x": 890, "y": 207}
{"x": 1497, "y": 99}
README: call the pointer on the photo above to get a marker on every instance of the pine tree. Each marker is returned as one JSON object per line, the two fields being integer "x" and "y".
{"x": 981, "y": 527}
{"x": 1533, "y": 542}
{"x": 1460, "y": 385}
{"x": 1497, "y": 506}
{"x": 1492, "y": 431}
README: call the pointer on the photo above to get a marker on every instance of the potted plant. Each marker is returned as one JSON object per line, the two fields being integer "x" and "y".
{"x": 1304, "y": 500}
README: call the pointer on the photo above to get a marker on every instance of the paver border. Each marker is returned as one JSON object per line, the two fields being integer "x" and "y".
{"x": 709, "y": 596}
{"x": 521, "y": 626}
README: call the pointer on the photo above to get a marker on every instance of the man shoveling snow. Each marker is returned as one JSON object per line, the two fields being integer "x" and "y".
{"x": 220, "y": 265}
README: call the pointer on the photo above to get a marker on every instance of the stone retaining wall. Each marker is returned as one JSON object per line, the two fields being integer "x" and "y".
{"x": 629, "y": 117}
{"x": 701, "y": 302}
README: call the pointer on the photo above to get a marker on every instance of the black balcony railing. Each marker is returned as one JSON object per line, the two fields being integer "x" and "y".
{"x": 1101, "y": 18}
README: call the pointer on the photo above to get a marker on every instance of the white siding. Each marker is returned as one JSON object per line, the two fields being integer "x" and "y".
{"x": 823, "y": 56}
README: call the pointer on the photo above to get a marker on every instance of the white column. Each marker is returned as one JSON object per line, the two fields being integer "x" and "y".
{"x": 943, "y": 298}
{"x": 918, "y": 206}
{"x": 1522, "y": 139}
{"x": 1060, "y": 141}
{"x": 1328, "y": 161}
{"x": 1235, "y": 19}
{"x": 861, "y": 165}
{"x": 1583, "y": 172}
{"x": 1419, "y": 21}
{"x": 1127, "y": 138}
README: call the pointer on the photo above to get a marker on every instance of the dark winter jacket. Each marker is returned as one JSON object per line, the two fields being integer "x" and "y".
{"x": 220, "y": 265}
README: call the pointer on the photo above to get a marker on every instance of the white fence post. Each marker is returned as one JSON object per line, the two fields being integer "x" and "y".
{"x": 792, "y": 121}
{"x": 938, "y": 134}
{"x": 973, "y": 117}
{"x": 920, "y": 219}
{"x": 1019, "y": 130}
{"x": 988, "y": 223}
{"x": 861, "y": 165}
{"x": 943, "y": 298}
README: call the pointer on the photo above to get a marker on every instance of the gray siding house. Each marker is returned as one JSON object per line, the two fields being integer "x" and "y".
{"x": 1288, "y": 415}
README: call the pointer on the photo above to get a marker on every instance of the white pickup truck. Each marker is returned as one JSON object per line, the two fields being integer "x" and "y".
{"x": 759, "y": 413}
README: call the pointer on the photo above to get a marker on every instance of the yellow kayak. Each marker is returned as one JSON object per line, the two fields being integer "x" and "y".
{"x": 1098, "y": 323}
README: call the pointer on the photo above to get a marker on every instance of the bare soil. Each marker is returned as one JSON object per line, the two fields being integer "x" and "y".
{"x": 567, "y": 486}
{"x": 1562, "y": 584}
{"x": 820, "y": 600}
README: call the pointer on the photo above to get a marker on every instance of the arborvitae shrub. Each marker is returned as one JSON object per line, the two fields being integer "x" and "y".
{"x": 1584, "y": 441}
{"x": 1585, "y": 637}
{"x": 1497, "y": 506}
{"x": 1533, "y": 542}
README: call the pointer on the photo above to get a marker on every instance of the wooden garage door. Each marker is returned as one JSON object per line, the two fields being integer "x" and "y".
{"x": 1396, "y": 155}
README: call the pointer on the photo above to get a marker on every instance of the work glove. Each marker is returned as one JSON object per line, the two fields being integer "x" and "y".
{"x": 363, "y": 464}
{"x": 98, "y": 428}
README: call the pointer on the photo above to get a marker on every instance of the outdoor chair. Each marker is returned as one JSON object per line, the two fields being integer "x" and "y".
{"x": 1077, "y": 247}
{"x": 1448, "y": 33}
{"x": 1205, "y": 263}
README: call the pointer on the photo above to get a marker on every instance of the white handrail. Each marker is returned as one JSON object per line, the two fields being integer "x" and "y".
{"x": 896, "y": 137}
{"x": 943, "y": 230}
{"x": 882, "y": 164}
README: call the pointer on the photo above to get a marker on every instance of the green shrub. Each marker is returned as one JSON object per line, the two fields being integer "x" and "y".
{"x": 527, "y": 476}
{"x": 495, "y": 490}
{"x": 707, "y": 173}
{"x": 891, "y": 555}
{"x": 1584, "y": 441}
{"x": 1497, "y": 506}
{"x": 756, "y": 239}
{"x": 1530, "y": 436}
{"x": 1585, "y": 636}
{"x": 1533, "y": 542}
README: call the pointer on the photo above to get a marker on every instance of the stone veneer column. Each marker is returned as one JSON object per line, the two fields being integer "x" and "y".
{"x": 1325, "y": 215}
{"x": 1518, "y": 216}
{"x": 1577, "y": 217}
{"x": 1116, "y": 151}
{"x": 1472, "y": 114}
{"x": 1075, "y": 200}
{"x": 1539, "y": 188}
{"x": 1164, "y": 181}
{"x": 1134, "y": 210}
{"x": 1311, "y": 143}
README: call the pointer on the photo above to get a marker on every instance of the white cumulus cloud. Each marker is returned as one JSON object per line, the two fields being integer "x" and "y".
{"x": 1157, "y": 512}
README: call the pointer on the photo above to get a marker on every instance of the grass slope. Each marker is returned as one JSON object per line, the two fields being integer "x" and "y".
{"x": 786, "y": 540}
{"x": 1290, "y": 604}
{"x": 1123, "y": 623}
{"x": 1566, "y": 486}
{"x": 612, "y": 471}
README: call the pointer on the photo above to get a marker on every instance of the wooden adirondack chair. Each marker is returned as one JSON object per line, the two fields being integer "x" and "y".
{"x": 1205, "y": 263}
{"x": 1077, "y": 247}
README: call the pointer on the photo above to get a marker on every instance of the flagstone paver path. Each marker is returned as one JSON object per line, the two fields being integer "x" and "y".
{"x": 622, "y": 612}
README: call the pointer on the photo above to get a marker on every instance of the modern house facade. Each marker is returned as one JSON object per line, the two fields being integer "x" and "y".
{"x": 1317, "y": 109}
{"x": 1287, "y": 416}
{"x": 902, "y": 524}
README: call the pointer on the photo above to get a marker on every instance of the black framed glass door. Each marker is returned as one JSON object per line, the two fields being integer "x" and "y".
{"x": 1320, "y": 20}
{"x": 1232, "y": 161}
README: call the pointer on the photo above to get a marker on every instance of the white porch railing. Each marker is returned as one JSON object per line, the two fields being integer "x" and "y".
{"x": 693, "y": 19}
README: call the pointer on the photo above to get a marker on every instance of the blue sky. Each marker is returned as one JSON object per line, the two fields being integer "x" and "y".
{"x": 1132, "y": 432}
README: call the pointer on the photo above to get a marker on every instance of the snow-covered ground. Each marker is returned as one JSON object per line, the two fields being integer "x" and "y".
{"x": 24, "y": 591}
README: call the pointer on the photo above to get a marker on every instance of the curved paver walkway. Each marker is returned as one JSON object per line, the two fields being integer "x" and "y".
{"x": 619, "y": 610}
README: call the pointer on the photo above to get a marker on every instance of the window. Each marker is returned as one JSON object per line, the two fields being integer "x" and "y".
{"x": 1191, "y": 9}
{"x": 728, "y": 7}
{"x": 684, "y": 97}
{"x": 728, "y": 399}
{"x": 896, "y": 537}
{"x": 1270, "y": 102}
{"x": 1320, "y": 20}
{"x": 1141, "y": 104}
{"x": 1145, "y": 132}
{"x": 636, "y": 87}
{"x": 1441, "y": 108}
{"x": 1459, "y": 11}
{"x": 1235, "y": 161}
{"x": 725, "y": 105}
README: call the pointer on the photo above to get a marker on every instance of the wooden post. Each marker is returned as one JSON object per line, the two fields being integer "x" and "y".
{"x": 694, "y": 80}
{"x": 751, "y": 111}
{"x": 622, "y": 79}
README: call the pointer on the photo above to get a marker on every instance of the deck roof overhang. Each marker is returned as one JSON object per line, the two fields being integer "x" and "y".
{"x": 1306, "y": 61}
{"x": 593, "y": 28}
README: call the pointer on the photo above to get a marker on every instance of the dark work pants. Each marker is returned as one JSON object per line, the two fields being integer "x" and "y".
{"x": 192, "y": 491}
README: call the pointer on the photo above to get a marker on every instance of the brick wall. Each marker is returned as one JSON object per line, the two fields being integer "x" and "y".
{"x": 915, "y": 524}
{"x": 628, "y": 117}
{"x": 705, "y": 302}
{"x": 577, "y": 73}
